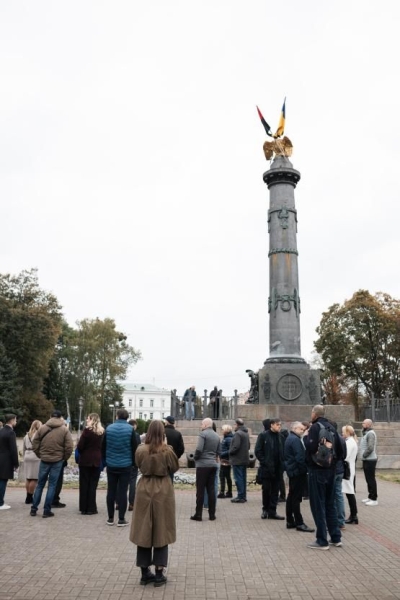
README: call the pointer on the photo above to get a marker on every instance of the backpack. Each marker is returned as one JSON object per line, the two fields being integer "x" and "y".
{"x": 325, "y": 455}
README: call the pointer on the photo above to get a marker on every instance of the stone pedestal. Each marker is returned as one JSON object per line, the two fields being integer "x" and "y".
{"x": 254, "y": 414}
{"x": 289, "y": 383}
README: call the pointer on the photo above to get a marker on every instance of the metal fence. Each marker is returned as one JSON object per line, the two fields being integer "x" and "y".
{"x": 385, "y": 409}
{"x": 201, "y": 407}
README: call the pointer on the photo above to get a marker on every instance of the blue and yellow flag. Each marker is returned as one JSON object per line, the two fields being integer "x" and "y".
{"x": 281, "y": 126}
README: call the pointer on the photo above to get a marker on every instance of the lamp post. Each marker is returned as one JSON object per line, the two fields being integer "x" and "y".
{"x": 80, "y": 404}
{"x": 114, "y": 409}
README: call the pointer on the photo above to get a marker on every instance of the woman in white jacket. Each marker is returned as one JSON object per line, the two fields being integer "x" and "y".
{"x": 348, "y": 484}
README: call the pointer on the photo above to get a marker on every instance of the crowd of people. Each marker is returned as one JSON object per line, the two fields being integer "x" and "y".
{"x": 319, "y": 464}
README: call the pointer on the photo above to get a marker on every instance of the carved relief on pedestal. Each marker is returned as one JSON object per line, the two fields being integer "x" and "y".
{"x": 289, "y": 387}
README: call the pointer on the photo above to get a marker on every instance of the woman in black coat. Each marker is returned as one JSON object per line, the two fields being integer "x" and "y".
{"x": 90, "y": 463}
{"x": 8, "y": 456}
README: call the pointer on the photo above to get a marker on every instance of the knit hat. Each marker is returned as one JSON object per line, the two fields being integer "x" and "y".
{"x": 170, "y": 420}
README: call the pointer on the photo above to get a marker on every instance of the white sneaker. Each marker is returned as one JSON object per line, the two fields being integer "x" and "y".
{"x": 365, "y": 500}
{"x": 5, "y": 507}
{"x": 372, "y": 503}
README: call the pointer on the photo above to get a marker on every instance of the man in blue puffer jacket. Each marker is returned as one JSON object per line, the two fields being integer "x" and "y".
{"x": 119, "y": 447}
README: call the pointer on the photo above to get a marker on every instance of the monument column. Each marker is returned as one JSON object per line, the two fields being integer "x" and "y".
{"x": 284, "y": 300}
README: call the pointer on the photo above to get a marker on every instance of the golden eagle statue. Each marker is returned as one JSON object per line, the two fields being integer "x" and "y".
{"x": 281, "y": 146}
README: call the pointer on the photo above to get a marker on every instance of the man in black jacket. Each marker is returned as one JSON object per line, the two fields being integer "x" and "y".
{"x": 8, "y": 456}
{"x": 296, "y": 469}
{"x": 174, "y": 437}
{"x": 321, "y": 481}
{"x": 270, "y": 453}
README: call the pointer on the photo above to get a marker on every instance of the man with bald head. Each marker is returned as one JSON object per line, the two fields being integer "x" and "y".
{"x": 369, "y": 460}
{"x": 207, "y": 453}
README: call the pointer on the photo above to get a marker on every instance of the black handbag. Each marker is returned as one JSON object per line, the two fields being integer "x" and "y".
{"x": 346, "y": 474}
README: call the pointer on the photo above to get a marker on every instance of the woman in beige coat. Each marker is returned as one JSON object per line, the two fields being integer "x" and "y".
{"x": 153, "y": 525}
{"x": 31, "y": 462}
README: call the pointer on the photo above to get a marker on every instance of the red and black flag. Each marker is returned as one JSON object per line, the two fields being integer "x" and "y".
{"x": 264, "y": 122}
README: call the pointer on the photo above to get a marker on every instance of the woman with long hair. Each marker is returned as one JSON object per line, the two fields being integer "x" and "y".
{"x": 31, "y": 462}
{"x": 153, "y": 525}
{"x": 348, "y": 484}
{"x": 90, "y": 463}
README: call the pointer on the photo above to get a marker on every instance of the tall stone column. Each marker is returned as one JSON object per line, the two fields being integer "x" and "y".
{"x": 284, "y": 299}
{"x": 286, "y": 379}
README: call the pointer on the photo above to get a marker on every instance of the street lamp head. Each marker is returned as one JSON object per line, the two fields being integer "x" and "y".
{"x": 80, "y": 402}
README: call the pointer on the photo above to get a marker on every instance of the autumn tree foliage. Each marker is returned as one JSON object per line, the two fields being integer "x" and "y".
{"x": 359, "y": 344}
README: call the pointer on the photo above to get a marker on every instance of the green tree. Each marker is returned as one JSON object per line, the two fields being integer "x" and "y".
{"x": 30, "y": 323}
{"x": 99, "y": 358}
{"x": 360, "y": 340}
{"x": 10, "y": 389}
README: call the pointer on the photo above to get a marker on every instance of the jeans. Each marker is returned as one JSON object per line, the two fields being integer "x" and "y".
{"x": 339, "y": 500}
{"x": 216, "y": 488}
{"x": 117, "y": 490}
{"x": 321, "y": 484}
{"x": 188, "y": 410}
{"x": 51, "y": 472}
{"x": 369, "y": 467}
{"x": 240, "y": 477}
{"x": 270, "y": 494}
{"x": 294, "y": 498}
{"x": 3, "y": 485}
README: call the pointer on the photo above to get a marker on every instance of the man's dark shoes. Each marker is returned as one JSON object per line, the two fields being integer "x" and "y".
{"x": 122, "y": 523}
{"x": 196, "y": 518}
{"x": 147, "y": 577}
{"x": 47, "y": 515}
{"x": 221, "y": 495}
{"x": 291, "y": 526}
{"x": 58, "y": 505}
{"x": 238, "y": 500}
{"x": 228, "y": 495}
{"x": 276, "y": 517}
{"x": 305, "y": 528}
{"x": 33, "y": 512}
{"x": 264, "y": 514}
{"x": 212, "y": 518}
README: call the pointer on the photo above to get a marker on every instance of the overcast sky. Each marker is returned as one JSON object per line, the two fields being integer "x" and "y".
{"x": 131, "y": 166}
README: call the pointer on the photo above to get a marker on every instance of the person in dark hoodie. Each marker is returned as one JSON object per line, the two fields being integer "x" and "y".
{"x": 225, "y": 472}
{"x": 239, "y": 459}
{"x": 270, "y": 453}
{"x": 296, "y": 469}
{"x": 321, "y": 481}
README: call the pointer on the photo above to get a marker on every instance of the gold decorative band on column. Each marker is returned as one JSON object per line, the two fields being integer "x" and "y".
{"x": 283, "y": 251}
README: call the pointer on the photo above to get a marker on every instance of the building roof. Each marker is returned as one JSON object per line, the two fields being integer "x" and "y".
{"x": 142, "y": 387}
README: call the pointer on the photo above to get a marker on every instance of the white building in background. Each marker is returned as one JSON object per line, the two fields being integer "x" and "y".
{"x": 146, "y": 401}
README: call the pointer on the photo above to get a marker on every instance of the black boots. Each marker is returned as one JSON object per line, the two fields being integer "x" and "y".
{"x": 352, "y": 520}
{"x": 160, "y": 578}
{"x": 147, "y": 576}
{"x": 28, "y": 498}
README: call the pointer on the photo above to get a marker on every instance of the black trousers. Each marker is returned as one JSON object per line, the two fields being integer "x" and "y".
{"x": 225, "y": 475}
{"x": 132, "y": 484}
{"x": 88, "y": 482}
{"x": 117, "y": 490}
{"x": 152, "y": 556}
{"x": 369, "y": 467}
{"x": 270, "y": 493}
{"x": 294, "y": 498}
{"x": 205, "y": 480}
{"x": 215, "y": 406}
{"x": 352, "y": 504}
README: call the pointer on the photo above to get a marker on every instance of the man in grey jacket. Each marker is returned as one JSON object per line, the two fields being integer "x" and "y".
{"x": 369, "y": 460}
{"x": 207, "y": 453}
{"x": 239, "y": 459}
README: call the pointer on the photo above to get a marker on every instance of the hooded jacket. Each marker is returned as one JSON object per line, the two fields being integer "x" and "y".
{"x": 53, "y": 441}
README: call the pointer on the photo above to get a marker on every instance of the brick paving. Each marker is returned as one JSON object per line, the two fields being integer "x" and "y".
{"x": 238, "y": 556}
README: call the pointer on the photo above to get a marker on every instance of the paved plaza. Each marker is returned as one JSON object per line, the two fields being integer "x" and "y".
{"x": 238, "y": 556}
